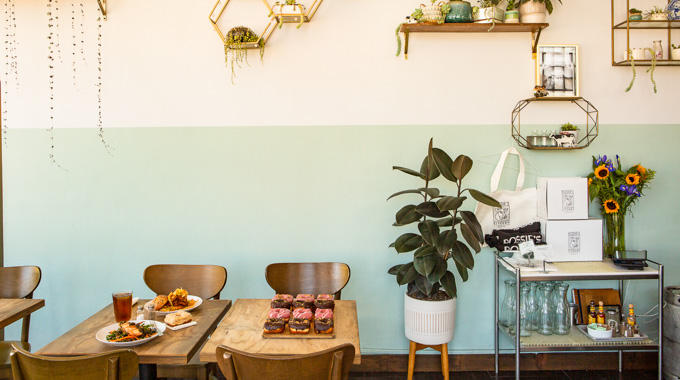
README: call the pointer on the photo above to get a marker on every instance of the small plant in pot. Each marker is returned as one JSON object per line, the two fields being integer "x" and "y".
{"x": 512, "y": 12}
{"x": 568, "y": 128}
{"x": 675, "y": 52}
{"x": 443, "y": 230}
{"x": 657, "y": 14}
{"x": 533, "y": 11}
{"x": 488, "y": 12}
{"x": 634, "y": 14}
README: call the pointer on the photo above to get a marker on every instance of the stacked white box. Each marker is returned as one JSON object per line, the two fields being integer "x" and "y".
{"x": 562, "y": 206}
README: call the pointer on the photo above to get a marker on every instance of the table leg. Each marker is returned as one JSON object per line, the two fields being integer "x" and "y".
{"x": 147, "y": 372}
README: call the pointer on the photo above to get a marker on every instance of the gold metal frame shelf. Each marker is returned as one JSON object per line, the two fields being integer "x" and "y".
{"x": 264, "y": 36}
{"x": 293, "y": 17}
{"x": 102, "y": 8}
{"x": 472, "y": 27}
{"x": 629, "y": 25}
{"x": 592, "y": 122}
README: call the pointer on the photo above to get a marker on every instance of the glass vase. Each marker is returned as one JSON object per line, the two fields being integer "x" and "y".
{"x": 561, "y": 322}
{"x": 615, "y": 233}
{"x": 508, "y": 308}
{"x": 545, "y": 316}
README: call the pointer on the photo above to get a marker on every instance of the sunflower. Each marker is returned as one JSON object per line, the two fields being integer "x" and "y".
{"x": 590, "y": 181}
{"x": 641, "y": 170}
{"x": 601, "y": 172}
{"x": 633, "y": 179}
{"x": 610, "y": 206}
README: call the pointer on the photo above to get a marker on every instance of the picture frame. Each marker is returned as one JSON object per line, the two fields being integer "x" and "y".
{"x": 557, "y": 69}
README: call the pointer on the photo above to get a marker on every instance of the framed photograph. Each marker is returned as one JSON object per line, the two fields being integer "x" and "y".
{"x": 557, "y": 70}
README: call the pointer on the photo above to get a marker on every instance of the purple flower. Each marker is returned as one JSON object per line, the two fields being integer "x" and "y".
{"x": 630, "y": 190}
{"x": 601, "y": 160}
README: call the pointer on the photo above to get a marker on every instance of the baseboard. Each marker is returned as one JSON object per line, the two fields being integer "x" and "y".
{"x": 528, "y": 362}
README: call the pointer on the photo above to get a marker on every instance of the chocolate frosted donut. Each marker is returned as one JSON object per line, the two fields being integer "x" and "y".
{"x": 299, "y": 325}
{"x": 324, "y": 301}
{"x": 305, "y": 301}
{"x": 274, "y": 325}
{"x": 323, "y": 325}
{"x": 282, "y": 301}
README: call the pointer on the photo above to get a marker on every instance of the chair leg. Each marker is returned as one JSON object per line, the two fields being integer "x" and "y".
{"x": 445, "y": 360}
{"x": 411, "y": 359}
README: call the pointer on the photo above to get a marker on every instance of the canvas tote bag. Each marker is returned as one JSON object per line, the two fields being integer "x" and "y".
{"x": 519, "y": 205}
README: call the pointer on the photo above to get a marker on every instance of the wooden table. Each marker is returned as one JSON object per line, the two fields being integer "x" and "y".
{"x": 13, "y": 309}
{"x": 242, "y": 329}
{"x": 174, "y": 347}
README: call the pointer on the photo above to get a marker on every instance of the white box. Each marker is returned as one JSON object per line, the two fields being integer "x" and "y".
{"x": 562, "y": 198}
{"x": 574, "y": 240}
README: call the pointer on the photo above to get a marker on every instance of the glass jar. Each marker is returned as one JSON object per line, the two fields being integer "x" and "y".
{"x": 532, "y": 306}
{"x": 524, "y": 314}
{"x": 561, "y": 321}
{"x": 508, "y": 307}
{"x": 545, "y": 316}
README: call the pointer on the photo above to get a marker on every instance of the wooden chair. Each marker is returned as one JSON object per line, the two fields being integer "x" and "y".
{"x": 312, "y": 278}
{"x": 113, "y": 365}
{"x": 205, "y": 281}
{"x": 331, "y": 364}
{"x": 17, "y": 282}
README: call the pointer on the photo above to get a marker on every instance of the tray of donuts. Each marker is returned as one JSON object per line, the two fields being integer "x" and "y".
{"x": 304, "y": 316}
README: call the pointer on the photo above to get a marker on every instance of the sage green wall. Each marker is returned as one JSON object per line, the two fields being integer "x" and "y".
{"x": 247, "y": 197}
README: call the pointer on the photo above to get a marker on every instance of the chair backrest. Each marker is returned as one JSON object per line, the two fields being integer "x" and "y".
{"x": 205, "y": 281}
{"x": 331, "y": 364}
{"x": 311, "y": 278}
{"x": 112, "y": 365}
{"x": 20, "y": 282}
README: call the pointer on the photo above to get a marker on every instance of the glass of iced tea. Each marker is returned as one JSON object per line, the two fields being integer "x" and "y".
{"x": 122, "y": 305}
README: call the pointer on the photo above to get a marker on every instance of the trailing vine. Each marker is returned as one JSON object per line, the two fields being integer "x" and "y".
{"x": 50, "y": 57}
{"x": 650, "y": 70}
{"x": 396, "y": 33}
{"x": 99, "y": 85}
{"x": 56, "y": 26}
{"x": 235, "y": 47}
{"x": 82, "y": 33}
{"x": 73, "y": 40}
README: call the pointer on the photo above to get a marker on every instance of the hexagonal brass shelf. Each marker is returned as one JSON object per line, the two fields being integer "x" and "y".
{"x": 102, "y": 8}
{"x": 291, "y": 13}
{"x": 264, "y": 36}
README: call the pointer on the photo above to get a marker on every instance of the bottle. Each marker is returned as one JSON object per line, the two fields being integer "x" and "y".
{"x": 592, "y": 317}
{"x": 631, "y": 315}
{"x": 658, "y": 49}
{"x": 562, "y": 324}
{"x": 140, "y": 313}
{"x": 600, "y": 313}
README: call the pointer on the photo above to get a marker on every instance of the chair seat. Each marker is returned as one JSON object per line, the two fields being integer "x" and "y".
{"x": 6, "y": 349}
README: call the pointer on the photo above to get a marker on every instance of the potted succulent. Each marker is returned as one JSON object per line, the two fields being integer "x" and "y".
{"x": 236, "y": 44}
{"x": 657, "y": 14}
{"x": 568, "y": 128}
{"x": 437, "y": 246}
{"x": 435, "y": 12}
{"x": 511, "y": 12}
{"x": 460, "y": 11}
{"x": 533, "y": 11}
{"x": 488, "y": 12}
{"x": 289, "y": 11}
{"x": 675, "y": 52}
{"x": 634, "y": 14}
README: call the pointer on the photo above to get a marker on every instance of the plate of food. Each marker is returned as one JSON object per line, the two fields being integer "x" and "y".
{"x": 179, "y": 299}
{"x": 131, "y": 333}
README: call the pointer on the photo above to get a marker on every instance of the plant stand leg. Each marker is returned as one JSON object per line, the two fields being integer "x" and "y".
{"x": 442, "y": 348}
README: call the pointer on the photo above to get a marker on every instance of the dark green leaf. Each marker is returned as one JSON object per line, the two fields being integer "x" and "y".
{"x": 424, "y": 285}
{"x": 409, "y": 171}
{"x": 406, "y": 274}
{"x": 407, "y": 215}
{"x": 448, "y": 282}
{"x": 470, "y": 237}
{"x": 462, "y": 254}
{"x": 448, "y": 222}
{"x": 430, "y": 209}
{"x": 395, "y": 269}
{"x": 434, "y": 172}
{"x": 405, "y": 192}
{"x": 429, "y": 230}
{"x": 450, "y": 203}
{"x": 444, "y": 163}
{"x": 472, "y": 223}
{"x": 483, "y": 198}
{"x": 438, "y": 271}
{"x": 425, "y": 264}
{"x": 549, "y": 7}
{"x": 425, "y": 251}
{"x": 461, "y": 166}
{"x": 407, "y": 242}
{"x": 433, "y": 192}
{"x": 462, "y": 271}
{"x": 446, "y": 240}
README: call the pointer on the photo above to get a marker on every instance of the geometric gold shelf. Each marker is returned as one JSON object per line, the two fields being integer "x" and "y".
{"x": 102, "y": 8}
{"x": 263, "y": 37}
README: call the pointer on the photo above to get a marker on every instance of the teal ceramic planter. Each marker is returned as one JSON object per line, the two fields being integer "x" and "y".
{"x": 461, "y": 11}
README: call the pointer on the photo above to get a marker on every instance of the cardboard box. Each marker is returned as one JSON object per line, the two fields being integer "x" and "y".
{"x": 562, "y": 198}
{"x": 574, "y": 240}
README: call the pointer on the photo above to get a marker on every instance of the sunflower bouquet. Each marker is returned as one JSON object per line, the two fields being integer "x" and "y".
{"x": 617, "y": 190}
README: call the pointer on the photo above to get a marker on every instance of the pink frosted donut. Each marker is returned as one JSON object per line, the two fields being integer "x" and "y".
{"x": 302, "y": 314}
{"x": 305, "y": 297}
{"x": 323, "y": 314}
{"x": 279, "y": 313}
{"x": 285, "y": 297}
{"x": 324, "y": 297}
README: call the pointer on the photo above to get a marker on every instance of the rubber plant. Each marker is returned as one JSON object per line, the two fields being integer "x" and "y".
{"x": 440, "y": 225}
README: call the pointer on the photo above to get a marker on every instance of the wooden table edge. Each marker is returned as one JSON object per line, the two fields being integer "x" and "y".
{"x": 36, "y": 306}
{"x": 211, "y": 356}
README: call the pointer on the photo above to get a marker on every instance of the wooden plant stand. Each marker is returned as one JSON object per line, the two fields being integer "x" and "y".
{"x": 442, "y": 348}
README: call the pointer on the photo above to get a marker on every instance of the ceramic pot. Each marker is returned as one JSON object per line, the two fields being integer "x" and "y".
{"x": 675, "y": 54}
{"x": 429, "y": 322}
{"x": 635, "y": 16}
{"x": 487, "y": 15}
{"x": 532, "y": 12}
{"x": 512, "y": 17}
{"x": 658, "y": 17}
{"x": 461, "y": 11}
{"x": 432, "y": 13}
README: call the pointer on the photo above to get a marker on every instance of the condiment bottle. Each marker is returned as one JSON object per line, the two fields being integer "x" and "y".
{"x": 631, "y": 315}
{"x": 600, "y": 314}
{"x": 592, "y": 317}
{"x": 140, "y": 313}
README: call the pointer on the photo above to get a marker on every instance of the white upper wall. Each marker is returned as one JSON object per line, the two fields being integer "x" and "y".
{"x": 163, "y": 65}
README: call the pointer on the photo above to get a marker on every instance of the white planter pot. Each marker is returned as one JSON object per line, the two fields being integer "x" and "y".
{"x": 487, "y": 15}
{"x": 532, "y": 12}
{"x": 658, "y": 16}
{"x": 429, "y": 322}
{"x": 432, "y": 13}
{"x": 675, "y": 54}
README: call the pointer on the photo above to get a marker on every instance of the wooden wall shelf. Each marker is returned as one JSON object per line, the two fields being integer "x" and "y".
{"x": 534, "y": 29}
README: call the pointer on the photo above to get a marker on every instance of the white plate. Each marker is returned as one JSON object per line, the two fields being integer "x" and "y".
{"x": 199, "y": 301}
{"x": 101, "y": 334}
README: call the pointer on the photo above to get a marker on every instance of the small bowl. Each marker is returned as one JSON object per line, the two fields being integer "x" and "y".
{"x": 600, "y": 334}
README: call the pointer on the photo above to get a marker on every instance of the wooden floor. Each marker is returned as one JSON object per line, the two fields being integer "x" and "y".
{"x": 529, "y": 375}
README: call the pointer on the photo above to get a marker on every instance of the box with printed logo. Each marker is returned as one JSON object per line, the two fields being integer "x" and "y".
{"x": 562, "y": 198}
{"x": 574, "y": 240}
